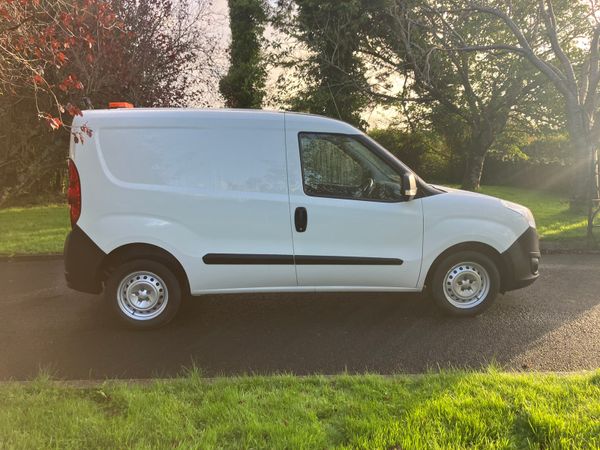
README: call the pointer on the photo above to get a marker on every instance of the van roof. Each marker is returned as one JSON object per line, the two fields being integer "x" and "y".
{"x": 173, "y": 114}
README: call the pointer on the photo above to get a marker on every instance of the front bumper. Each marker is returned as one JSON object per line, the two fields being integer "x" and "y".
{"x": 83, "y": 259}
{"x": 522, "y": 261}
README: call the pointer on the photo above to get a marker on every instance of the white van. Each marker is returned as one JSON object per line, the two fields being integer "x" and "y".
{"x": 170, "y": 203}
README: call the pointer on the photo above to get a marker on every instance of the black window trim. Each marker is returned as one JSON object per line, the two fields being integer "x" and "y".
{"x": 423, "y": 189}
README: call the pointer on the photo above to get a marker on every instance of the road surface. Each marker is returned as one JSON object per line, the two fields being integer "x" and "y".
{"x": 552, "y": 325}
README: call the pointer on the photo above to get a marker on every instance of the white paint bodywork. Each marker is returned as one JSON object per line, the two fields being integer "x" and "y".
{"x": 194, "y": 182}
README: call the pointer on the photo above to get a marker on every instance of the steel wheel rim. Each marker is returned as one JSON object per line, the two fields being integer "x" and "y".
{"x": 142, "y": 295}
{"x": 466, "y": 285}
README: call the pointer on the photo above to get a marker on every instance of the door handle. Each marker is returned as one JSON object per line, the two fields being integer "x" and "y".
{"x": 301, "y": 219}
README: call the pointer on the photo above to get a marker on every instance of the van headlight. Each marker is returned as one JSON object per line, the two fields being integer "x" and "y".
{"x": 522, "y": 210}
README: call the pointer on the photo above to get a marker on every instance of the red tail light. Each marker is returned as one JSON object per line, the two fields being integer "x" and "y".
{"x": 74, "y": 193}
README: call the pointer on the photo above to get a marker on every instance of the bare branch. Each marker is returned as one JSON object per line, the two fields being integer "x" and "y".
{"x": 547, "y": 12}
{"x": 486, "y": 48}
{"x": 556, "y": 76}
{"x": 593, "y": 73}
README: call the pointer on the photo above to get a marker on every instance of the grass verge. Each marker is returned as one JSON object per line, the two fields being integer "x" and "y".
{"x": 37, "y": 229}
{"x": 42, "y": 229}
{"x": 551, "y": 211}
{"x": 438, "y": 410}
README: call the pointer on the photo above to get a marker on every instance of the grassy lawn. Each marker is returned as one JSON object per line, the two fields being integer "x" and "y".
{"x": 37, "y": 229}
{"x": 551, "y": 212}
{"x": 438, "y": 410}
{"x": 42, "y": 229}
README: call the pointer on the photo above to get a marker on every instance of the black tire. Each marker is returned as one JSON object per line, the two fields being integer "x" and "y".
{"x": 166, "y": 283}
{"x": 440, "y": 285}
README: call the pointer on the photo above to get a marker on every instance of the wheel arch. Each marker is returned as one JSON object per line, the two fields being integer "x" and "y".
{"x": 486, "y": 249}
{"x": 140, "y": 250}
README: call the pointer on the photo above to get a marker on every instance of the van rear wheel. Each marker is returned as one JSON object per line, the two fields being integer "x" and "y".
{"x": 465, "y": 283}
{"x": 143, "y": 293}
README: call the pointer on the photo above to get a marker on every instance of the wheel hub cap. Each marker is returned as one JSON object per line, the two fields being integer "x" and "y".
{"x": 142, "y": 295}
{"x": 466, "y": 285}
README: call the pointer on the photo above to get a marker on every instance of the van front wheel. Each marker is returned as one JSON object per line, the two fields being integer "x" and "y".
{"x": 143, "y": 293}
{"x": 465, "y": 283}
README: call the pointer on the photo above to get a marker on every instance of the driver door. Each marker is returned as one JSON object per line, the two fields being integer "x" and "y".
{"x": 352, "y": 228}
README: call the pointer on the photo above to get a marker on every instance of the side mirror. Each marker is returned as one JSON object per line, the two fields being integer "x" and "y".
{"x": 409, "y": 186}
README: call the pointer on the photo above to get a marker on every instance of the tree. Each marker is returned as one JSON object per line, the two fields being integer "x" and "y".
{"x": 41, "y": 84}
{"x": 469, "y": 99}
{"x": 37, "y": 42}
{"x": 244, "y": 84}
{"x": 558, "y": 60}
{"x": 332, "y": 73}
{"x": 421, "y": 150}
{"x": 171, "y": 56}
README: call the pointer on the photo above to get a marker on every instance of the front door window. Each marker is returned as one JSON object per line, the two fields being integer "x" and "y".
{"x": 340, "y": 166}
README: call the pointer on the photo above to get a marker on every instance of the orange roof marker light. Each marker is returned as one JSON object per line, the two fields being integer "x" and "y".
{"x": 116, "y": 105}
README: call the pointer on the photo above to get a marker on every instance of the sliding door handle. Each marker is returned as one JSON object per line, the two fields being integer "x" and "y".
{"x": 300, "y": 219}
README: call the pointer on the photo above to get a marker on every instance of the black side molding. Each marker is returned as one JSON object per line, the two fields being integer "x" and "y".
{"x": 347, "y": 261}
{"x": 240, "y": 258}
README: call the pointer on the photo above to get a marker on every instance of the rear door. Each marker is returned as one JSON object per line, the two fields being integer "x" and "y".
{"x": 352, "y": 227}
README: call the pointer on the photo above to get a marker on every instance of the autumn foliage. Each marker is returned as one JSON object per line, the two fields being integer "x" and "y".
{"x": 43, "y": 45}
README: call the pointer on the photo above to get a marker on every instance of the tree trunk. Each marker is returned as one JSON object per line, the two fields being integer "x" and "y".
{"x": 482, "y": 139}
{"x": 473, "y": 170}
{"x": 579, "y": 135}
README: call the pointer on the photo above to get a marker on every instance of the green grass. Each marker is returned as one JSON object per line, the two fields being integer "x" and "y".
{"x": 551, "y": 211}
{"x": 42, "y": 229}
{"x": 437, "y": 410}
{"x": 38, "y": 229}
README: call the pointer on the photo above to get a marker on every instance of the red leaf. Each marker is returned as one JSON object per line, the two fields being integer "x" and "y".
{"x": 86, "y": 130}
{"x": 73, "y": 110}
{"x": 54, "y": 122}
{"x": 66, "y": 19}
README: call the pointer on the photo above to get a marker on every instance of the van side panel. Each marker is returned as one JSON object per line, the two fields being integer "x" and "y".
{"x": 192, "y": 187}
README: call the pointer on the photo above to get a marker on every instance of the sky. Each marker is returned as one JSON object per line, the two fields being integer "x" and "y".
{"x": 220, "y": 7}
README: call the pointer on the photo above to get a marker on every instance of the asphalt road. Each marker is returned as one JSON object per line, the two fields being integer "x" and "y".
{"x": 552, "y": 325}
